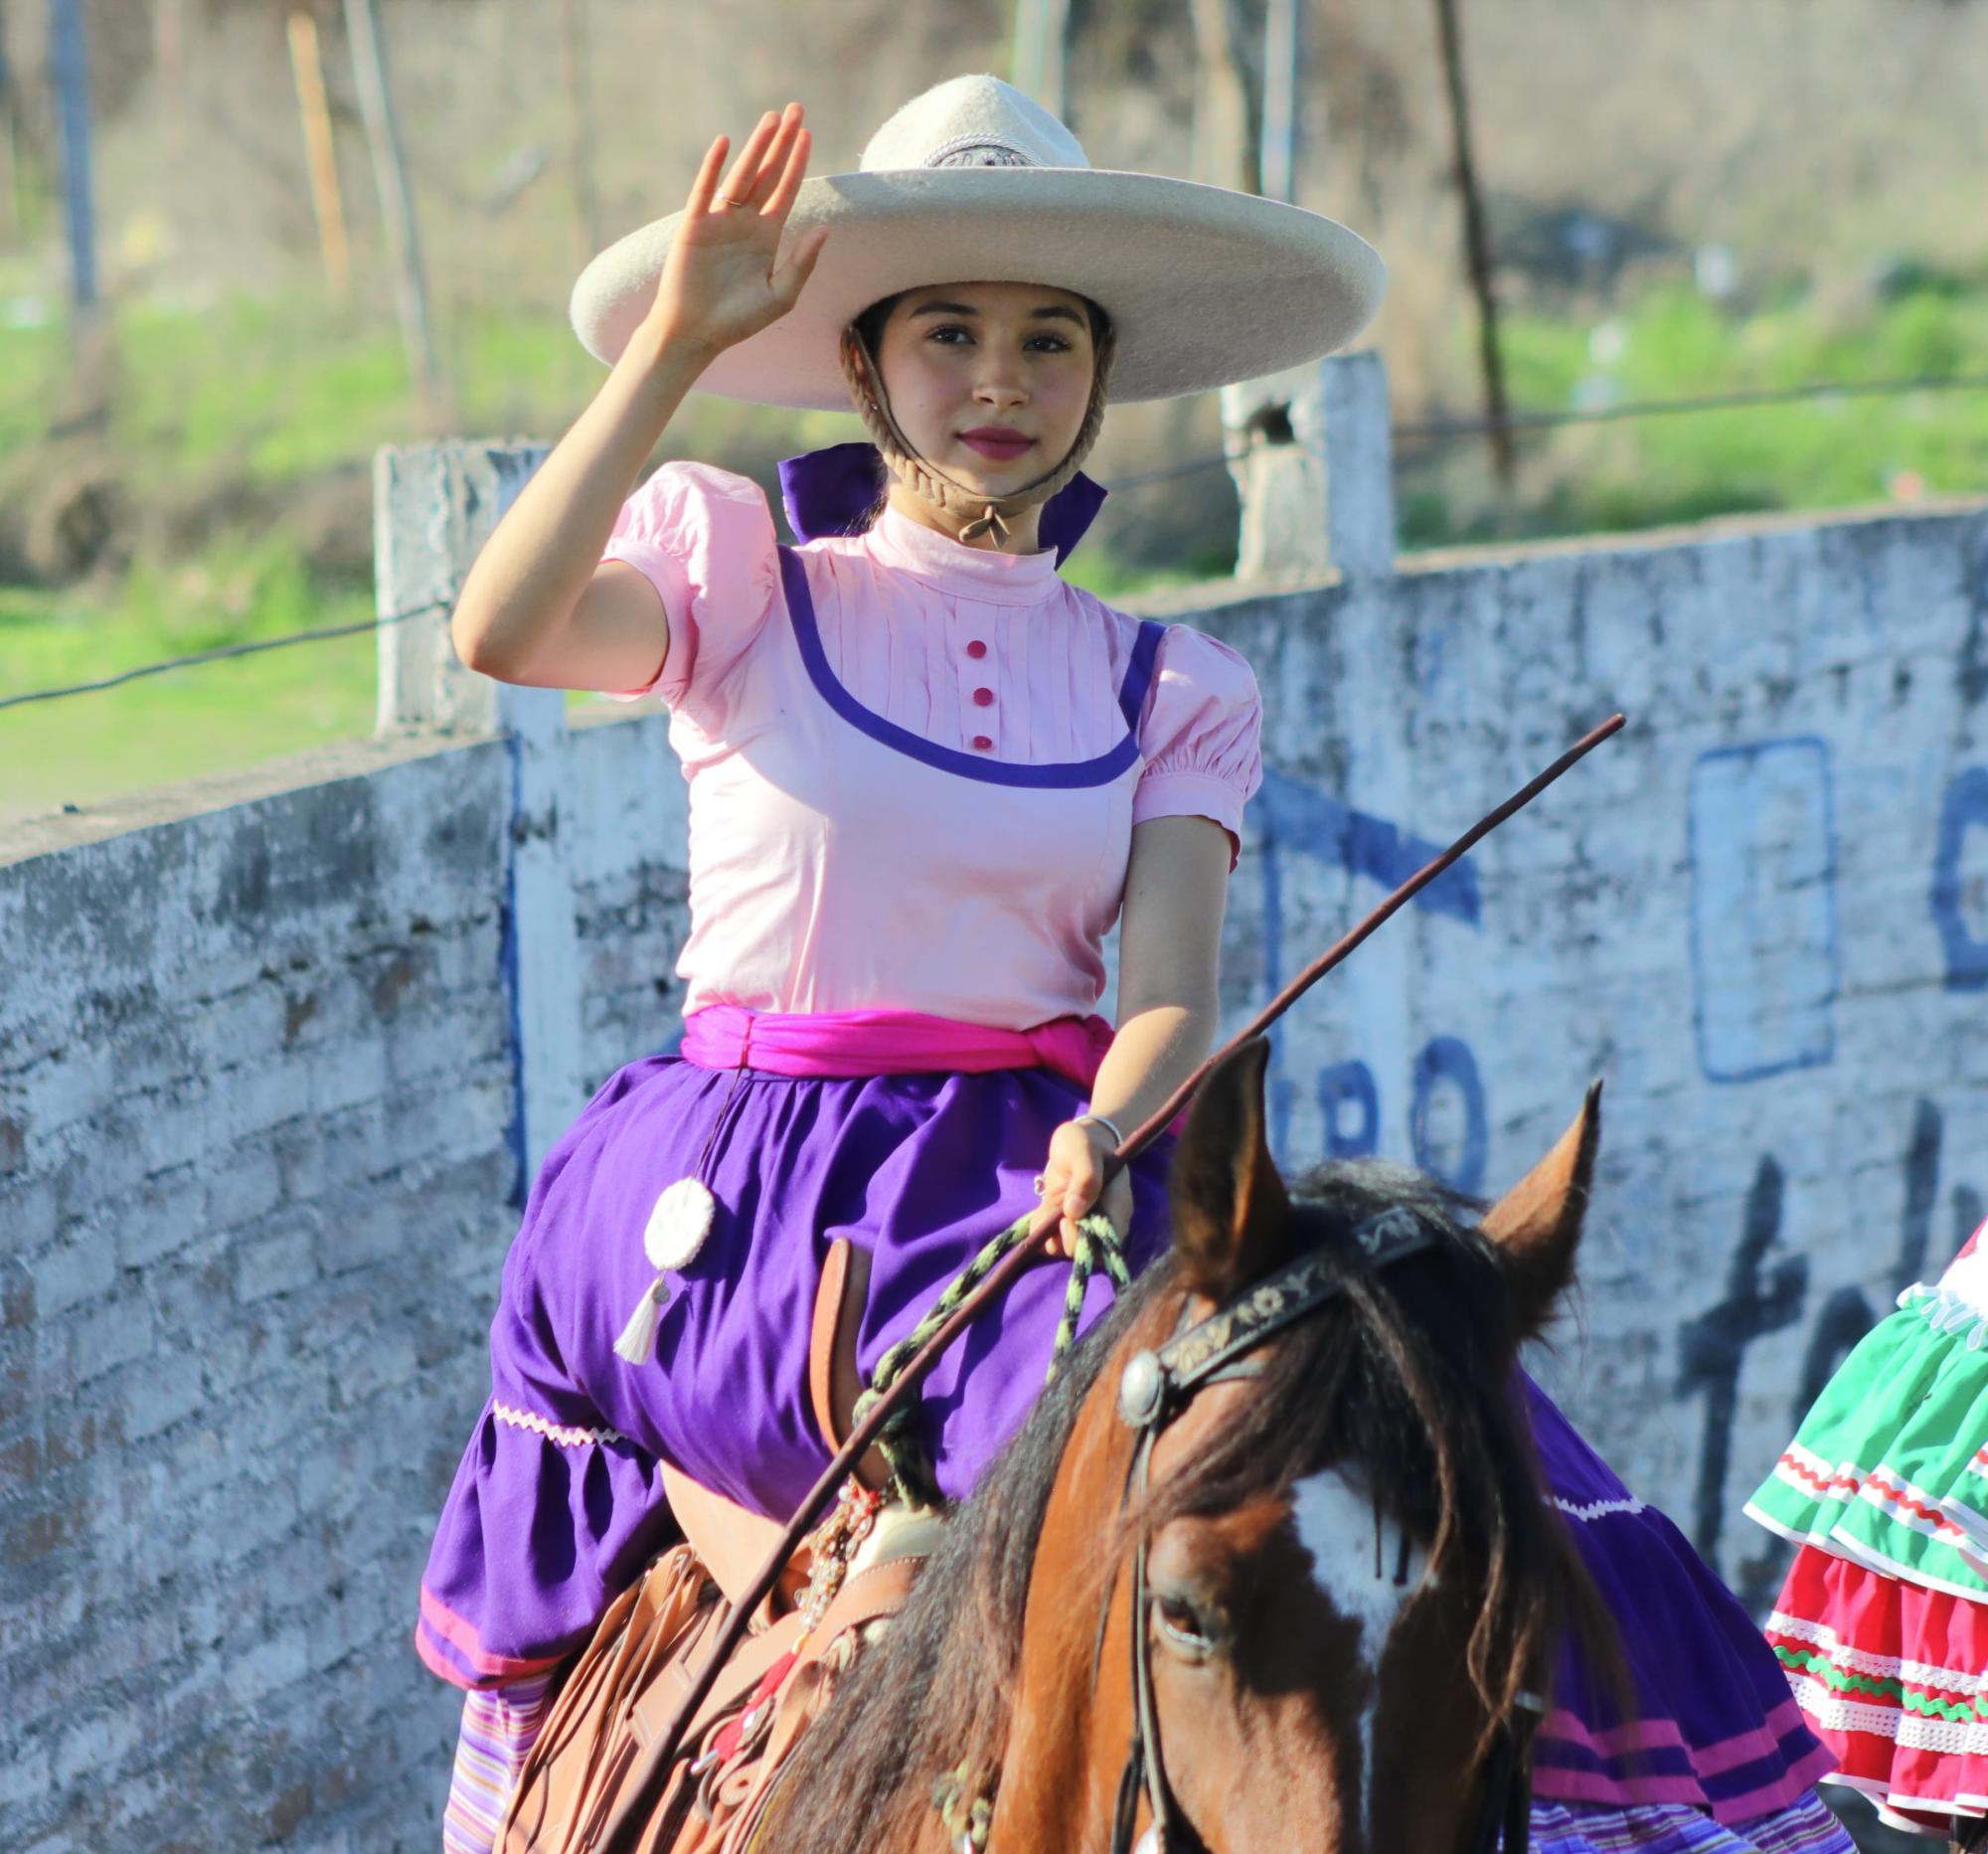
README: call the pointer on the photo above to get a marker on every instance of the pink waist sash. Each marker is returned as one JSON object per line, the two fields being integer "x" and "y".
{"x": 841, "y": 1044}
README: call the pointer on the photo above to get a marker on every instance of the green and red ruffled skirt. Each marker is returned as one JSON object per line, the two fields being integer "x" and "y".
{"x": 1881, "y": 1625}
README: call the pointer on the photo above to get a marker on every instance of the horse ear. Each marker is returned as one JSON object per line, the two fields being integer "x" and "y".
{"x": 1537, "y": 1224}
{"x": 1232, "y": 1217}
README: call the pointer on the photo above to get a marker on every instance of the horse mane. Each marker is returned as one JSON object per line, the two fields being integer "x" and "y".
{"x": 1399, "y": 1383}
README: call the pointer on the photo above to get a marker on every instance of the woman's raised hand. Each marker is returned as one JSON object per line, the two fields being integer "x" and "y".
{"x": 724, "y": 277}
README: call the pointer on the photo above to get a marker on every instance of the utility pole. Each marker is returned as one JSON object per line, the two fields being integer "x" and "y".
{"x": 10, "y": 139}
{"x": 397, "y": 202}
{"x": 1476, "y": 240}
{"x": 1041, "y": 55}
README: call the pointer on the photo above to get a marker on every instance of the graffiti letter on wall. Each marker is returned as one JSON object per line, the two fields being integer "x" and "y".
{"x": 1349, "y": 1105}
{"x": 1714, "y": 1344}
{"x": 1300, "y": 816}
{"x": 1762, "y": 909}
{"x": 1965, "y": 810}
{"x": 1290, "y": 815}
{"x": 1458, "y": 1162}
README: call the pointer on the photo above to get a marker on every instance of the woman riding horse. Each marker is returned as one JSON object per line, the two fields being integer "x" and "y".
{"x": 927, "y": 776}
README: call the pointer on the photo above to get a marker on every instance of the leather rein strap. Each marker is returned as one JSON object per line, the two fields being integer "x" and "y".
{"x": 1154, "y": 1389}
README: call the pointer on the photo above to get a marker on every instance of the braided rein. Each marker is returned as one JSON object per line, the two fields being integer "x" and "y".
{"x": 1097, "y": 1249}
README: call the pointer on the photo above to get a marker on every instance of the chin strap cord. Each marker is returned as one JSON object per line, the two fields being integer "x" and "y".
{"x": 989, "y": 521}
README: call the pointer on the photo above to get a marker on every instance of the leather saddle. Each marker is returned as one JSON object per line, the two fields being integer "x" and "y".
{"x": 627, "y": 1684}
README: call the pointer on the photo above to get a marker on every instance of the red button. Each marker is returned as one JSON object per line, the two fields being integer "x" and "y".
{"x": 983, "y": 744}
{"x": 983, "y": 698}
{"x": 976, "y": 649}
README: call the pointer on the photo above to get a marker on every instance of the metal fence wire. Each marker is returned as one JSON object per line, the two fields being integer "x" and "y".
{"x": 1437, "y": 430}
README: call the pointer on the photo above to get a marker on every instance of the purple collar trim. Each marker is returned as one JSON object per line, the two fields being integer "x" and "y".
{"x": 1066, "y": 774}
{"x": 831, "y": 492}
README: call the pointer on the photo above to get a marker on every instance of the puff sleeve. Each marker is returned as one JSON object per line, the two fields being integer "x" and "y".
{"x": 703, "y": 539}
{"x": 1202, "y": 735}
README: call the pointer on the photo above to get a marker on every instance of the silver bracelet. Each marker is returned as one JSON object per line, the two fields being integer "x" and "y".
{"x": 1117, "y": 1138}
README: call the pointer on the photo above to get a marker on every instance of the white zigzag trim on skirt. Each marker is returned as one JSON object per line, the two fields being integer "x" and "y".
{"x": 553, "y": 1432}
{"x": 1840, "y": 1479}
{"x": 1945, "y": 1736}
{"x": 1862, "y": 1661}
{"x": 1890, "y": 1491}
{"x": 1598, "y": 1509}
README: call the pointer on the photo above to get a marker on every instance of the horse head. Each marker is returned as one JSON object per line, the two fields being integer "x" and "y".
{"x": 1351, "y": 1585}
{"x": 1352, "y": 1582}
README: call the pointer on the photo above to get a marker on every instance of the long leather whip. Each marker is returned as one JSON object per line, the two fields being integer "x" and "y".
{"x": 625, "y": 1823}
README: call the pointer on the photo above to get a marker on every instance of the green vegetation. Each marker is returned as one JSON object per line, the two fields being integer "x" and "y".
{"x": 1839, "y": 451}
{"x": 84, "y": 749}
{"x": 274, "y": 394}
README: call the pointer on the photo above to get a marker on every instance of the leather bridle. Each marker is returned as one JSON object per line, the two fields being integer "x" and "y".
{"x": 1154, "y": 1389}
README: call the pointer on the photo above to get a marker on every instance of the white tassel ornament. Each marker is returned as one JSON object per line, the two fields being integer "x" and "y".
{"x": 675, "y": 1231}
{"x": 637, "y": 1343}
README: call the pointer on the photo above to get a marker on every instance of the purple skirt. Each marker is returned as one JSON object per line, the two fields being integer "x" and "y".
{"x": 558, "y": 1502}
{"x": 1716, "y": 1727}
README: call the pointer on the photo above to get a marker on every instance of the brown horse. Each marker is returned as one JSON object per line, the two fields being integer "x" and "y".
{"x": 1353, "y": 1585}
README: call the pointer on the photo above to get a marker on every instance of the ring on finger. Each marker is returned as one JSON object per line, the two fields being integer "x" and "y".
{"x": 1042, "y": 1184}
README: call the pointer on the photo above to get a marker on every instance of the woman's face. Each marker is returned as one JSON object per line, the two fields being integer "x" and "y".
{"x": 989, "y": 381}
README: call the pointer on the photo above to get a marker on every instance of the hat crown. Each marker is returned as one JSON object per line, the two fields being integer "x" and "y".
{"x": 972, "y": 121}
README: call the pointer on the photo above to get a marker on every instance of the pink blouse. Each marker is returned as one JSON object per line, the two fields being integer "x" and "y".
{"x": 915, "y": 766}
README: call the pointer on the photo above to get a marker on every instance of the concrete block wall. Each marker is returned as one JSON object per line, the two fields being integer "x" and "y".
{"x": 255, "y": 1086}
{"x": 260, "y": 1156}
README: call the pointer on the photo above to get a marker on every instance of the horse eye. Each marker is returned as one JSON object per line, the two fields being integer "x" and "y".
{"x": 1184, "y": 1628}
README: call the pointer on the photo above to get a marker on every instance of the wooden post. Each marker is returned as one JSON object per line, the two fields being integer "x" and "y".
{"x": 1229, "y": 105}
{"x": 397, "y": 202}
{"x": 1040, "y": 54}
{"x": 307, "y": 69}
{"x": 580, "y": 125}
{"x": 169, "y": 105}
{"x": 1312, "y": 458}
{"x": 1283, "y": 59}
{"x": 1347, "y": 422}
{"x": 1476, "y": 240}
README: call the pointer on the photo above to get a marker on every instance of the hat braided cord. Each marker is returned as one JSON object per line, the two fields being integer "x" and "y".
{"x": 873, "y": 406}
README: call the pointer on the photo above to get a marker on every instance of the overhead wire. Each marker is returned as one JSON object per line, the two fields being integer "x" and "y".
{"x": 1427, "y": 430}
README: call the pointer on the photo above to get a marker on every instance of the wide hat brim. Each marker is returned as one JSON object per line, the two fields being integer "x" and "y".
{"x": 1205, "y": 285}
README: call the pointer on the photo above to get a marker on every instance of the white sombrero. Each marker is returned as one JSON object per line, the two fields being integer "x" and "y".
{"x": 972, "y": 182}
